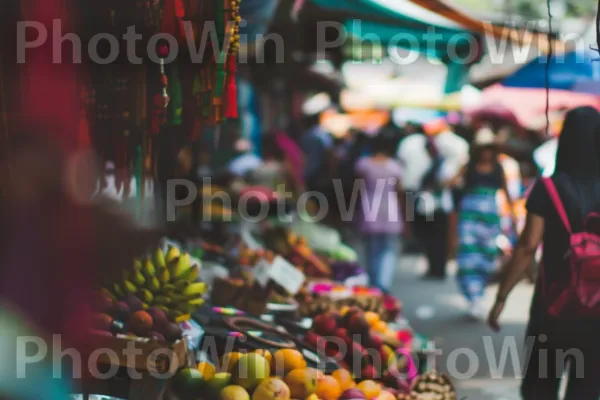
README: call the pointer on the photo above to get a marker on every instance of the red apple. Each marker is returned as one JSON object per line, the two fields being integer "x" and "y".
{"x": 368, "y": 372}
{"x": 324, "y": 324}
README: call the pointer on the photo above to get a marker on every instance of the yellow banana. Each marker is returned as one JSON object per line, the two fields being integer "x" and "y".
{"x": 196, "y": 288}
{"x": 192, "y": 274}
{"x": 138, "y": 279}
{"x": 163, "y": 275}
{"x": 137, "y": 265}
{"x": 149, "y": 269}
{"x": 179, "y": 268}
{"x": 146, "y": 296}
{"x": 172, "y": 254}
{"x": 197, "y": 301}
{"x": 129, "y": 287}
{"x": 153, "y": 284}
{"x": 159, "y": 258}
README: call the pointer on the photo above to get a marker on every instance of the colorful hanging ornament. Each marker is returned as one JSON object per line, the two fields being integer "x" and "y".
{"x": 160, "y": 100}
{"x": 234, "y": 47}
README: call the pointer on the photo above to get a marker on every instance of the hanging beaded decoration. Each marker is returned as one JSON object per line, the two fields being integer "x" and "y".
{"x": 234, "y": 47}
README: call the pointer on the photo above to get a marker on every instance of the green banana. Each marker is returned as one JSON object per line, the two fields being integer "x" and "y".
{"x": 146, "y": 296}
{"x": 162, "y": 300}
{"x": 163, "y": 308}
{"x": 138, "y": 279}
{"x": 137, "y": 265}
{"x": 168, "y": 288}
{"x": 149, "y": 270}
{"x": 172, "y": 254}
{"x": 180, "y": 298}
{"x": 180, "y": 285}
{"x": 153, "y": 284}
{"x": 118, "y": 291}
{"x": 163, "y": 275}
{"x": 129, "y": 287}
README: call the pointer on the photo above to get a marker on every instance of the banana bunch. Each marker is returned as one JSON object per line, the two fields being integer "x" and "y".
{"x": 165, "y": 281}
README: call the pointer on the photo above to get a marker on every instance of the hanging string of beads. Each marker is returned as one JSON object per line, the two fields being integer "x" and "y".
{"x": 160, "y": 100}
{"x": 234, "y": 47}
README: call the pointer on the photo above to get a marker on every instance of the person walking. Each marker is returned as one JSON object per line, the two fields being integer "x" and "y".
{"x": 557, "y": 208}
{"x": 381, "y": 216}
{"x": 429, "y": 161}
{"x": 479, "y": 220}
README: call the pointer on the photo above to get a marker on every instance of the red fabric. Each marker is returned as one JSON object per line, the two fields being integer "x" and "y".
{"x": 231, "y": 106}
{"x": 49, "y": 90}
{"x": 172, "y": 19}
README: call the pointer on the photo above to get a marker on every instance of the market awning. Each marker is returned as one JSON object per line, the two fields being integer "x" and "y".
{"x": 398, "y": 23}
{"x": 520, "y": 36}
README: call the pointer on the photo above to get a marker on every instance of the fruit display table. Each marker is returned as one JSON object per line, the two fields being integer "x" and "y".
{"x": 145, "y": 376}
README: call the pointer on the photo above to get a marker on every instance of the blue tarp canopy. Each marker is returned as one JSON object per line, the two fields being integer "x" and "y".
{"x": 576, "y": 71}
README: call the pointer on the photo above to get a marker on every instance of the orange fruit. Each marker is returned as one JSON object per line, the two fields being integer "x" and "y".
{"x": 370, "y": 389}
{"x": 328, "y": 388}
{"x": 344, "y": 378}
{"x": 302, "y": 382}
{"x": 372, "y": 318}
{"x": 380, "y": 326}
{"x": 287, "y": 360}
{"x": 386, "y": 396}
{"x": 207, "y": 370}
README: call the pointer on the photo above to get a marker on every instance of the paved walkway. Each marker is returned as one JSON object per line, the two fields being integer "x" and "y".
{"x": 470, "y": 350}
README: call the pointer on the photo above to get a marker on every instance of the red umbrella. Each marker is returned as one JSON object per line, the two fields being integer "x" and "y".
{"x": 520, "y": 106}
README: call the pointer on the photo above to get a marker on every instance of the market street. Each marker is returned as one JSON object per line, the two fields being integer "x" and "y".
{"x": 437, "y": 310}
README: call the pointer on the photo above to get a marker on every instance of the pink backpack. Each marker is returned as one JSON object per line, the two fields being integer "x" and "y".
{"x": 579, "y": 296}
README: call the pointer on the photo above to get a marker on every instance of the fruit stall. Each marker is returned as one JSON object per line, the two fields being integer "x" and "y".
{"x": 275, "y": 321}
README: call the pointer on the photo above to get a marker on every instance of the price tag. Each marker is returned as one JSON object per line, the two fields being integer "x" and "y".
{"x": 262, "y": 272}
{"x": 286, "y": 275}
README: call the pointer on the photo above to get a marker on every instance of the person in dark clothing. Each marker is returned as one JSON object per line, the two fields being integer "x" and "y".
{"x": 577, "y": 179}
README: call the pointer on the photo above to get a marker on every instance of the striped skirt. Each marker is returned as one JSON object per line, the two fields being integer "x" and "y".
{"x": 478, "y": 228}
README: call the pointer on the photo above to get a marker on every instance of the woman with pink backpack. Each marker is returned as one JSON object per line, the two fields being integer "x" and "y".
{"x": 563, "y": 212}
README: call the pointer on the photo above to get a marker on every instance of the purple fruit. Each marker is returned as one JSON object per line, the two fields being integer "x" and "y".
{"x": 157, "y": 336}
{"x": 121, "y": 311}
{"x": 172, "y": 332}
{"x": 134, "y": 303}
{"x": 158, "y": 316}
{"x": 353, "y": 394}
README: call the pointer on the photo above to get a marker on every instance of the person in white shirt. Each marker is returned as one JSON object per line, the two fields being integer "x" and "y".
{"x": 429, "y": 161}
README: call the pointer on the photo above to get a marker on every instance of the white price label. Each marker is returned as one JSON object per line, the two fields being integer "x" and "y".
{"x": 262, "y": 272}
{"x": 286, "y": 275}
